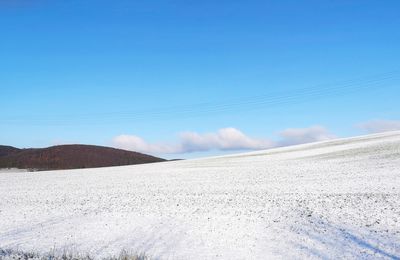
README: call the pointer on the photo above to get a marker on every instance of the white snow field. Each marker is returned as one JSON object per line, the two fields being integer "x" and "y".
{"x": 331, "y": 200}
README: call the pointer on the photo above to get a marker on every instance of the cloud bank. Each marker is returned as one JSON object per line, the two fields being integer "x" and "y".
{"x": 377, "y": 126}
{"x": 225, "y": 139}
{"x": 293, "y": 136}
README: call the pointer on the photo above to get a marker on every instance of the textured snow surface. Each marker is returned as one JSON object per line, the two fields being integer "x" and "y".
{"x": 334, "y": 199}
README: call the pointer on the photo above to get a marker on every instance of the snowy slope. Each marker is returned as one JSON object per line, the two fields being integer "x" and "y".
{"x": 334, "y": 199}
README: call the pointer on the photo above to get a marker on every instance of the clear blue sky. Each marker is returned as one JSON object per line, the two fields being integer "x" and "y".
{"x": 87, "y": 71}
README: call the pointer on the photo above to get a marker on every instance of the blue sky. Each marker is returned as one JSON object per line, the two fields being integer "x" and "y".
{"x": 177, "y": 73}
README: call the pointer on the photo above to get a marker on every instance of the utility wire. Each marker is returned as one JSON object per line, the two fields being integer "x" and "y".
{"x": 233, "y": 105}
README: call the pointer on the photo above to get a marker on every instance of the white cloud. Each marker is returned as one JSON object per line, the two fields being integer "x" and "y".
{"x": 377, "y": 126}
{"x": 137, "y": 144}
{"x": 224, "y": 139}
{"x": 293, "y": 136}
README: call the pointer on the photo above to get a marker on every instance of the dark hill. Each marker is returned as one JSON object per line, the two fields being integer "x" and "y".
{"x": 6, "y": 150}
{"x": 70, "y": 157}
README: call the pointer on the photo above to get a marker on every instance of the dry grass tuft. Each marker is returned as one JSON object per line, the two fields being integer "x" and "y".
{"x": 9, "y": 254}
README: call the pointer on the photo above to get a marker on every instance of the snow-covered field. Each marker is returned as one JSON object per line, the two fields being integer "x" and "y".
{"x": 334, "y": 199}
{"x": 8, "y": 170}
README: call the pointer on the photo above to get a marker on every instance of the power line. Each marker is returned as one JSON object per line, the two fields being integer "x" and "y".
{"x": 206, "y": 108}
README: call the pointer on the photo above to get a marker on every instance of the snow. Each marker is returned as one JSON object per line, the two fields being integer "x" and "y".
{"x": 2, "y": 170}
{"x": 333, "y": 199}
